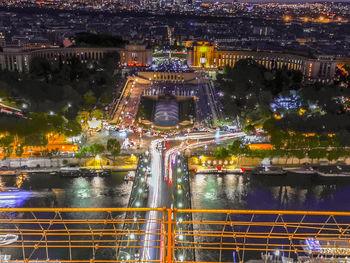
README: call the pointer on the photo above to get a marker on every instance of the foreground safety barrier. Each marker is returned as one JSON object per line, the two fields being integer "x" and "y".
{"x": 126, "y": 235}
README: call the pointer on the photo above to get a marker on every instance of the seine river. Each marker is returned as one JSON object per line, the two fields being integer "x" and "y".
{"x": 241, "y": 192}
{"x": 230, "y": 191}
{"x": 208, "y": 192}
{"x": 55, "y": 191}
{"x": 46, "y": 190}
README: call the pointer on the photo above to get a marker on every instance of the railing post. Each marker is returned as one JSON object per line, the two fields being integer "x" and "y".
{"x": 169, "y": 243}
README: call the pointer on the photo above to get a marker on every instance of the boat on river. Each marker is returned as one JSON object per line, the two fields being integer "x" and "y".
{"x": 83, "y": 172}
{"x": 305, "y": 169}
{"x": 268, "y": 170}
{"x": 334, "y": 172}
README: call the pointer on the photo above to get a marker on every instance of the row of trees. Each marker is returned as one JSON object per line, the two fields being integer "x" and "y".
{"x": 249, "y": 88}
{"x": 54, "y": 86}
{"x": 237, "y": 148}
{"x": 112, "y": 148}
{"x": 251, "y": 92}
{"x": 37, "y": 124}
{"x": 33, "y": 131}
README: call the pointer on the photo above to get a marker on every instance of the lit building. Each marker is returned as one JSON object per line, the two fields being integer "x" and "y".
{"x": 18, "y": 58}
{"x": 136, "y": 55}
{"x": 319, "y": 68}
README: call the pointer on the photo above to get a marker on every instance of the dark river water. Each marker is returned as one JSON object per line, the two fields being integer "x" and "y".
{"x": 46, "y": 190}
{"x": 208, "y": 192}
{"x": 242, "y": 192}
{"x": 267, "y": 193}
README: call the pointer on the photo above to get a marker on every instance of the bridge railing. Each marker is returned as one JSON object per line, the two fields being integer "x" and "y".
{"x": 241, "y": 235}
{"x": 97, "y": 234}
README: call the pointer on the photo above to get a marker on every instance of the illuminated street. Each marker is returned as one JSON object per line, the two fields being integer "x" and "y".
{"x": 128, "y": 105}
{"x": 163, "y": 181}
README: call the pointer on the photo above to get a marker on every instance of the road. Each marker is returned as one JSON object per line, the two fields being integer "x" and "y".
{"x": 161, "y": 184}
{"x": 129, "y": 103}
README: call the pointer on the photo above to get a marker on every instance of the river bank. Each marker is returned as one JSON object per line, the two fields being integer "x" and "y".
{"x": 46, "y": 164}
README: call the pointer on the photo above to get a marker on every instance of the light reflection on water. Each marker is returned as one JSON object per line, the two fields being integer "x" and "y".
{"x": 212, "y": 191}
{"x": 230, "y": 191}
{"x": 46, "y": 190}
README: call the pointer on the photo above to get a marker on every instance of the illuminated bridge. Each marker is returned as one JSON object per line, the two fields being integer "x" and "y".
{"x": 100, "y": 235}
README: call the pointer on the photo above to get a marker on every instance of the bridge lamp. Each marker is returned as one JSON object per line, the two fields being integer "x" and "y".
{"x": 137, "y": 204}
{"x": 140, "y": 190}
{"x": 179, "y": 180}
{"x": 180, "y": 204}
{"x": 178, "y": 170}
{"x": 181, "y": 237}
{"x": 181, "y": 257}
{"x": 179, "y": 191}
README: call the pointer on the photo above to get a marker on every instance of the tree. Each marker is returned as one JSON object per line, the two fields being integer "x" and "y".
{"x": 83, "y": 116}
{"x": 5, "y": 144}
{"x": 96, "y": 149}
{"x": 110, "y": 62}
{"x": 7, "y": 151}
{"x": 335, "y": 154}
{"x": 99, "y": 40}
{"x": 40, "y": 67}
{"x": 113, "y": 146}
{"x": 89, "y": 100}
{"x": 72, "y": 128}
{"x": 36, "y": 139}
{"x": 221, "y": 153}
{"x": 19, "y": 150}
{"x": 98, "y": 114}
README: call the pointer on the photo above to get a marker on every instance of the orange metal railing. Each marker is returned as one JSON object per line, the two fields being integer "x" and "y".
{"x": 120, "y": 235}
